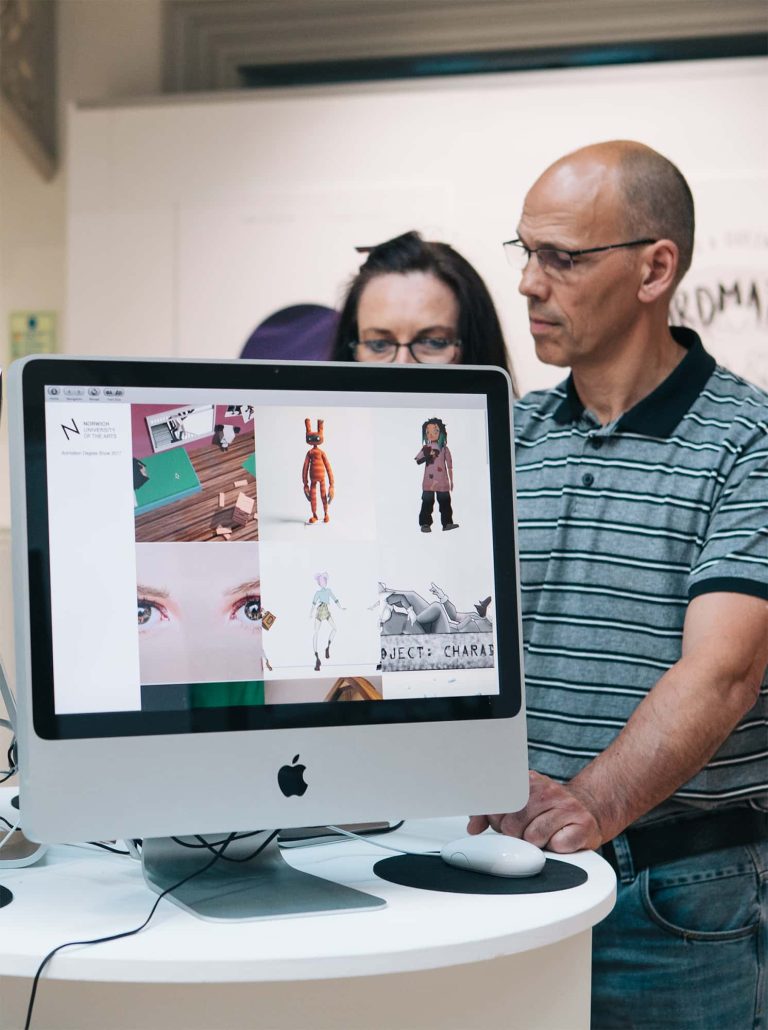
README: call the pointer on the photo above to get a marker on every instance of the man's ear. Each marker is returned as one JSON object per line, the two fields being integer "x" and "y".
{"x": 659, "y": 270}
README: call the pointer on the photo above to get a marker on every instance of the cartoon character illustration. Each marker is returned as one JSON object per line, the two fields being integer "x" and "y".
{"x": 267, "y": 620}
{"x": 316, "y": 467}
{"x": 321, "y": 613}
{"x": 407, "y": 612}
{"x": 224, "y": 435}
{"x": 438, "y": 475}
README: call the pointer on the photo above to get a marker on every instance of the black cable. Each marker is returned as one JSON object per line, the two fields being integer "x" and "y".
{"x": 11, "y": 761}
{"x": 130, "y": 933}
{"x": 106, "y": 847}
{"x": 208, "y": 844}
{"x": 205, "y": 845}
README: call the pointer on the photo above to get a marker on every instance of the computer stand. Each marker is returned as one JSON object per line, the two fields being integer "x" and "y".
{"x": 241, "y": 887}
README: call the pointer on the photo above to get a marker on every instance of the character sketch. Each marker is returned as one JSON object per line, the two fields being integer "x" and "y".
{"x": 407, "y": 612}
{"x": 316, "y": 468}
{"x": 321, "y": 613}
{"x": 267, "y": 620}
{"x": 224, "y": 435}
{"x": 437, "y": 481}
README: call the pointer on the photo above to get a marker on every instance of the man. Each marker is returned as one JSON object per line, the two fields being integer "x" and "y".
{"x": 643, "y": 515}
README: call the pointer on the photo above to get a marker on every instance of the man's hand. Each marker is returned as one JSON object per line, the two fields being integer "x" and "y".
{"x": 557, "y": 816}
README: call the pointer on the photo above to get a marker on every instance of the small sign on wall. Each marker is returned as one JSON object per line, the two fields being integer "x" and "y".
{"x": 32, "y": 332}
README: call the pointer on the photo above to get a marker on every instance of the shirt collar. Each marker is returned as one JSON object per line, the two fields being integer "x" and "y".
{"x": 659, "y": 412}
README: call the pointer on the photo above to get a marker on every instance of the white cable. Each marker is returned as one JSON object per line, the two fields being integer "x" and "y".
{"x": 370, "y": 840}
{"x": 12, "y": 830}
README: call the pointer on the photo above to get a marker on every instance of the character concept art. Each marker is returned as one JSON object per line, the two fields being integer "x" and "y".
{"x": 407, "y": 612}
{"x": 224, "y": 435}
{"x": 313, "y": 475}
{"x": 438, "y": 475}
{"x": 321, "y": 613}
{"x": 267, "y": 620}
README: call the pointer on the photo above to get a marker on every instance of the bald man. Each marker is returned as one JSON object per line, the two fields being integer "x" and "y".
{"x": 642, "y": 502}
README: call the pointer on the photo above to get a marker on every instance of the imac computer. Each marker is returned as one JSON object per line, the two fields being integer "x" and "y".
{"x": 253, "y": 595}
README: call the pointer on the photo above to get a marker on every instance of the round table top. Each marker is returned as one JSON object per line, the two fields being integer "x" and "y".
{"x": 78, "y": 893}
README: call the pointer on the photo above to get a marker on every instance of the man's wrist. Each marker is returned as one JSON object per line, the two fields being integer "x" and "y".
{"x": 609, "y": 822}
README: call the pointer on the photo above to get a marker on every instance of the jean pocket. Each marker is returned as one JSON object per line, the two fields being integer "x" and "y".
{"x": 712, "y": 897}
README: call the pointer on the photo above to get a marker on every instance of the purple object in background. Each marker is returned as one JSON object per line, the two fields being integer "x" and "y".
{"x": 303, "y": 332}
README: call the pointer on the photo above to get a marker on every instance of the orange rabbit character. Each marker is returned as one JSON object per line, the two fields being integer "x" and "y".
{"x": 316, "y": 466}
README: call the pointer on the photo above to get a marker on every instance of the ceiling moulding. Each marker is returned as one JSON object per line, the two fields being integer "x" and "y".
{"x": 207, "y": 41}
{"x": 28, "y": 80}
{"x": 375, "y": 69}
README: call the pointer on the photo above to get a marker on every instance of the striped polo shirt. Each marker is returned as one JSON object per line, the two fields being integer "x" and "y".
{"x": 620, "y": 526}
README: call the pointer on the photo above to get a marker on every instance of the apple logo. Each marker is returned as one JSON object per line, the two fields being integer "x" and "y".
{"x": 290, "y": 779}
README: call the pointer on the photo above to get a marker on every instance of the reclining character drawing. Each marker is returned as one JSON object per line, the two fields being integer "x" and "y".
{"x": 407, "y": 612}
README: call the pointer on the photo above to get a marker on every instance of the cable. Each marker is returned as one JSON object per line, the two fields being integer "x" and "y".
{"x": 100, "y": 844}
{"x": 10, "y": 832}
{"x": 310, "y": 836}
{"x": 378, "y": 844}
{"x": 205, "y": 845}
{"x": 130, "y": 933}
{"x": 12, "y": 759}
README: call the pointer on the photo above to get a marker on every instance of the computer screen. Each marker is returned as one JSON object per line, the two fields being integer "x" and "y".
{"x": 213, "y": 560}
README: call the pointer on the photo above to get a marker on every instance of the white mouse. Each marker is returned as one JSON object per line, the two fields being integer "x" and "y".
{"x": 495, "y": 854}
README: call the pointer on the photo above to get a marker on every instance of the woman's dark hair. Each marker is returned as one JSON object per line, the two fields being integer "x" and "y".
{"x": 479, "y": 328}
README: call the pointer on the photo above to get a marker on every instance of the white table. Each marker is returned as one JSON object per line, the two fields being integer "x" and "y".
{"x": 427, "y": 960}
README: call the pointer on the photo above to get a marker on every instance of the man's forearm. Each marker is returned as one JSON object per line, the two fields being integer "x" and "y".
{"x": 671, "y": 735}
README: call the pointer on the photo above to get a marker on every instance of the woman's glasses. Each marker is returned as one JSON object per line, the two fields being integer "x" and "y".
{"x": 427, "y": 350}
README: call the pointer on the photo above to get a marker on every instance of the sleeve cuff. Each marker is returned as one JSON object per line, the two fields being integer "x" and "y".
{"x": 729, "y": 585}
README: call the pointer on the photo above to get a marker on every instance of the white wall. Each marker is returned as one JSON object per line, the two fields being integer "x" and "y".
{"x": 192, "y": 220}
{"x": 107, "y": 49}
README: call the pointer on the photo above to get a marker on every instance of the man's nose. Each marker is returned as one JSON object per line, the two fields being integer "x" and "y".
{"x": 533, "y": 281}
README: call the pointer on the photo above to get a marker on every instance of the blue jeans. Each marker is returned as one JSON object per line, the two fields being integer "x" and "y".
{"x": 686, "y": 947}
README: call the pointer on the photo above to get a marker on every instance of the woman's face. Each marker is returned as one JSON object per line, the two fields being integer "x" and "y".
{"x": 396, "y": 310}
{"x": 198, "y": 612}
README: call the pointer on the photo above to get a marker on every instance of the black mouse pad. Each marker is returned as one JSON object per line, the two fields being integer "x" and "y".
{"x": 431, "y": 873}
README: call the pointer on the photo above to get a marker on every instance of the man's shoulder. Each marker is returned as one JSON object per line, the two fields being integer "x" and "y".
{"x": 727, "y": 398}
{"x": 539, "y": 405}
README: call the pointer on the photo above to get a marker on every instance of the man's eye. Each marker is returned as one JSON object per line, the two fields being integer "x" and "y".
{"x": 560, "y": 260}
{"x": 247, "y": 610}
{"x": 149, "y": 613}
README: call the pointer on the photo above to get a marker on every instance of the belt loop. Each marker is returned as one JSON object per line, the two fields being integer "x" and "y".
{"x": 624, "y": 861}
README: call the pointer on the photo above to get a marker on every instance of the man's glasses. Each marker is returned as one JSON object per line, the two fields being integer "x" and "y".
{"x": 426, "y": 350}
{"x": 555, "y": 261}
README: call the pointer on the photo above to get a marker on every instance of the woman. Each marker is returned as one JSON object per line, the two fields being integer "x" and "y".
{"x": 414, "y": 301}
